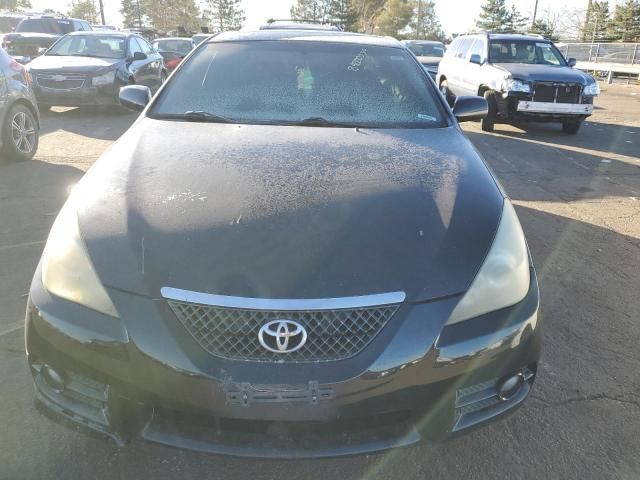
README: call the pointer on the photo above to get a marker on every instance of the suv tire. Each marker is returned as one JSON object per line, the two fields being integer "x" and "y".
{"x": 20, "y": 134}
{"x": 571, "y": 127}
{"x": 488, "y": 122}
{"x": 448, "y": 96}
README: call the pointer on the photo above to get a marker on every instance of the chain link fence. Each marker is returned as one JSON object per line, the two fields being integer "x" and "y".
{"x": 616, "y": 53}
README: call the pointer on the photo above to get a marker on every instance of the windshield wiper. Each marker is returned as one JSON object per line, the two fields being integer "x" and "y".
{"x": 322, "y": 122}
{"x": 199, "y": 116}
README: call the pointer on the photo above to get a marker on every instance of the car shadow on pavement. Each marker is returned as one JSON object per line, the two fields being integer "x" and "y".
{"x": 582, "y": 400}
{"x": 104, "y": 123}
{"x": 605, "y": 138}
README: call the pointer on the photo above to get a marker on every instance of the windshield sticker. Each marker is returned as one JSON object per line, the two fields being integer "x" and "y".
{"x": 356, "y": 63}
{"x": 422, "y": 116}
{"x": 305, "y": 79}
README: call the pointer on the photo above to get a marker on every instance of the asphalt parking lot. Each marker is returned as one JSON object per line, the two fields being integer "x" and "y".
{"x": 578, "y": 198}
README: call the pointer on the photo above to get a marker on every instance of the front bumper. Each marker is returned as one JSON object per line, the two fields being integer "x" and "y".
{"x": 519, "y": 107}
{"x": 555, "y": 108}
{"x": 79, "y": 97}
{"x": 143, "y": 376}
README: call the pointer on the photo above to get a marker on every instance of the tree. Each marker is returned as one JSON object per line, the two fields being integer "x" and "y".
{"x": 14, "y": 5}
{"x": 316, "y": 11}
{"x": 368, "y": 12}
{"x": 545, "y": 28}
{"x": 85, "y": 10}
{"x": 171, "y": 15}
{"x": 516, "y": 23}
{"x": 625, "y": 24}
{"x": 425, "y": 24}
{"x": 494, "y": 16}
{"x": 133, "y": 13}
{"x": 343, "y": 14}
{"x": 394, "y": 18}
{"x": 225, "y": 15}
{"x": 596, "y": 21}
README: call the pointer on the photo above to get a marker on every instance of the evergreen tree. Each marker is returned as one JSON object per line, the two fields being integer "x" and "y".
{"x": 225, "y": 15}
{"x": 596, "y": 22}
{"x": 133, "y": 13}
{"x": 368, "y": 12}
{"x": 316, "y": 11}
{"x": 424, "y": 23}
{"x": 171, "y": 15}
{"x": 343, "y": 14}
{"x": 14, "y": 5}
{"x": 494, "y": 16}
{"x": 394, "y": 18}
{"x": 544, "y": 28}
{"x": 516, "y": 23}
{"x": 84, "y": 10}
{"x": 625, "y": 24}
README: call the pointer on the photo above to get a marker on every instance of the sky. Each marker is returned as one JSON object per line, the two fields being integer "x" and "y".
{"x": 455, "y": 15}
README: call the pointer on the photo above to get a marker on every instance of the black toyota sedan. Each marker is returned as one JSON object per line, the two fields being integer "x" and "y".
{"x": 88, "y": 68}
{"x": 294, "y": 252}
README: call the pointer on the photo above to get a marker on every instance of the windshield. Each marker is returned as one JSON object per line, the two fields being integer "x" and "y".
{"x": 427, "y": 49}
{"x": 179, "y": 46}
{"x": 89, "y": 46}
{"x": 288, "y": 82}
{"x": 45, "y": 25}
{"x": 525, "y": 51}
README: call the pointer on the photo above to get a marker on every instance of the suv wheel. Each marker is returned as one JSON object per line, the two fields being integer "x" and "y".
{"x": 20, "y": 134}
{"x": 489, "y": 121}
{"x": 571, "y": 127}
{"x": 448, "y": 96}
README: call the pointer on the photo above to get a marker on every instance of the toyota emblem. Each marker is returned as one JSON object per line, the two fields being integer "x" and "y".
{"x": 282, "y": 336}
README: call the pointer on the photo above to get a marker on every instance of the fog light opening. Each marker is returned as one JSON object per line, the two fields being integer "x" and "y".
{"x": 54, "y": 378}
{"x": 510, "y": 386}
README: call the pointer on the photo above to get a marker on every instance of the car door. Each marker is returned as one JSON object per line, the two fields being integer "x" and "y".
{"x": 458, "y": 67}
{"x": 137, "y": 67}
{"x": 153, "y": 65}
{"x": 470, "y": 81}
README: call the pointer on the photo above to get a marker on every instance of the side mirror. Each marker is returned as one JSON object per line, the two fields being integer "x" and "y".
{"x": 475, "y": 58}
{"x": 571, "y": 62}
{"x": 139, "y": 56}
{"x": 135, "y": 97}
{"x": 467, "y": 109}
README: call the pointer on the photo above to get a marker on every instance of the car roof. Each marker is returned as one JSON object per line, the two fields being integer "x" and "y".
{"x": 507, "y": 36}
{"x": 186, "y": 39}
{"x": 284, "y": 25}
{"x": 309, "y": 35}
{"x": 104, "y": 33}
{"x": 421, "y": 42}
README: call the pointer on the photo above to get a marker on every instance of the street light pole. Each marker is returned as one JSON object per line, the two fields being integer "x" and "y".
{"x": 139, "y": 15}
{"x": 535, "y": 13}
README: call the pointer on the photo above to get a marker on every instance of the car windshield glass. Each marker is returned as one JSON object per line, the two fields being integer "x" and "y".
{"x": 179, "y": 46}
{"x": 90, "y": 46}
{"x": 309, "y": 82}
{"x": 45, "y": 25}
{"x": 525, "y": 51}
{"x": 427, "y": 49}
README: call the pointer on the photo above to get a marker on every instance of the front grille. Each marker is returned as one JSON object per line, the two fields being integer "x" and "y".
{"x": 556, "y": 92}
{"x": 331, "y": 334}
{"x": 60, "y": 82}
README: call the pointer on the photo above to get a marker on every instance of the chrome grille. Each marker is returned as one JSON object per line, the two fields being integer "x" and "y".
{"x": 233, "y": 332}
{"x": 52, "y": 81}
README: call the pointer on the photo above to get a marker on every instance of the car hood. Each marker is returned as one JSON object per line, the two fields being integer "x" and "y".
{"x": 68, "y": 64}
{"x": 544, "y": 73}
{"x": 288, "y": 212}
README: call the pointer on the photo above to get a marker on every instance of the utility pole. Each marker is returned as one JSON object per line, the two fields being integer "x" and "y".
{"x": 535, "y": 13}
{"x": 102, "y": 12}
{"x": 419, "y": 20}
{"x": 139, "y": 15}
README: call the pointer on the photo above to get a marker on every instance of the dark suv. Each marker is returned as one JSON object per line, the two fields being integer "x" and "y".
{"x": 523, "y": 78}
{"x": 35, "y": 34}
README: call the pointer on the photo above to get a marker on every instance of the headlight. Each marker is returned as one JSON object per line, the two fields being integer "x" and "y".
{"x": 67, "y": 271}
{"x": 105, "y": 79}
{"x": 503, "y": 279}
{"x": 511, "y": 85}
{"x": 591, "y": 90}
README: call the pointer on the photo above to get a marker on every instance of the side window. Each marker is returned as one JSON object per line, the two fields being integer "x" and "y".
{"x": 146, "y": 48}
{"x": 464, "y": 48}
{"x": 477, "y": 49}
{"x": 453, "y": 48}
{"x": 134, "y": 47}
{"x": 87, "y": 26}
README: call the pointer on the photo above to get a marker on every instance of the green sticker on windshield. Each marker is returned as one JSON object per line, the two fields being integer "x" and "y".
{"x": 305, "y": 79}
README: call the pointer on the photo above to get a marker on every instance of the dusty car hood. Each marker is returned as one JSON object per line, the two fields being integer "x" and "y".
{"x": 544, "y": 73}
{"x": 70, "y": 64}
{"x": 288, "y": 212}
